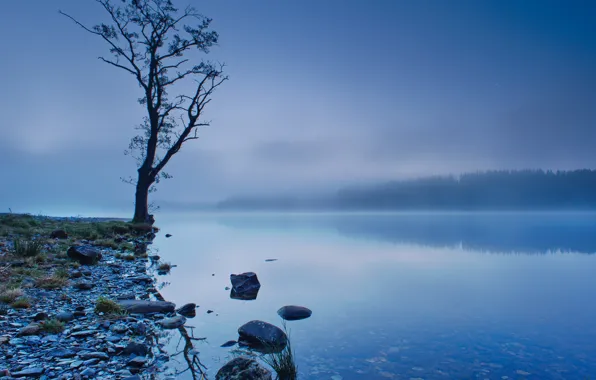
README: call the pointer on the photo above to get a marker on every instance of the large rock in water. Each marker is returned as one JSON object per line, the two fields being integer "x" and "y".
{"x": 145, "y": 307}
{"x": 243, "y": 368}
{"x": 84, "y": 254}
{"x": 245, "y": 286}
{"x": 294, "y": 313}
{"x": 262, "y": 336}
{"x": 188, "y": 310}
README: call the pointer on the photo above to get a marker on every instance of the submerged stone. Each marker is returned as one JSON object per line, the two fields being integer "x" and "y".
{"x": 262, "y": 336}
{"x": 294, "y": 313}
{"x": 243, "y": 368}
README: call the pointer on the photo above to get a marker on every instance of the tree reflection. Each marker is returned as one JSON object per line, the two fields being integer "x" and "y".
{"x": 191, "y": 356}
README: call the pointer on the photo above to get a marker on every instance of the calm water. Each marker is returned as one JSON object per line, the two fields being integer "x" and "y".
{"x": 403, "y": 296}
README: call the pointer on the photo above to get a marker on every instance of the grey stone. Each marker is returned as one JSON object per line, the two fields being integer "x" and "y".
{"x": 173, "y": 323}
{"x": 65, "y": 316}
{"x": 84, "y": 254}
{"x": 29, "y": 372}
{"x": 188, "y": 310}
{"x": 243, "y": 368}
{"x": 89, "y": 372}
{"x": 262, "y": 336}
{"x": 58, "y": 234}
{"x": 119, "y": 328}
{"x": 61, "y": 353}
{"x": 137, "y": 361}
{"x": 294, "y": 313}
{"x": 245, "y": 286}
{"x": 144, "y": 307}
{"x": 83, "y": 334}
{"x": 30, "y": 329}
{"x": 137, "y": 349}
{"x": 94, "y": 355}
{"x": 84, "y": 285}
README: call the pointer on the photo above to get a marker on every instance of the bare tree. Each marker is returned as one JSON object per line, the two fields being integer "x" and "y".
{"x": 148, "y": 40}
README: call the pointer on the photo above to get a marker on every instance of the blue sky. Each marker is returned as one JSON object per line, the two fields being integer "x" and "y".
{"x": 321, "y": 94}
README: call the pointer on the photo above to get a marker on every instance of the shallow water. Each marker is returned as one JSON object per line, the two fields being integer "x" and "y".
{"x": 396, "y": 296}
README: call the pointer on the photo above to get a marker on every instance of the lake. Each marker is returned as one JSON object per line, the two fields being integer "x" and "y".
{"x": 394, "y": 296}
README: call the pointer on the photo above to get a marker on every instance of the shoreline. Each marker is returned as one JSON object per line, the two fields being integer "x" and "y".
{"x": 60, "y": 318}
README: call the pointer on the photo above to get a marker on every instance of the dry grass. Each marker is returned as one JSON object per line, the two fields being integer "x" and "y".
{"x": 52, "y": 282}
{"x": 10, "y": 295}
{"x": 21, "y": 303}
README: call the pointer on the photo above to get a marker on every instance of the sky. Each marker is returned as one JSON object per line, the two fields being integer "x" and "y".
{"x": 321, "y": 94}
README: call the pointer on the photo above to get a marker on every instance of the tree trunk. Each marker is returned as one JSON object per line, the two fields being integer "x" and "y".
{"x": 142, "y": 200}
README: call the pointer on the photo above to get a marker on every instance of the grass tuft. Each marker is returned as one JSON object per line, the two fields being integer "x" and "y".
{"x": 27, "y": 248}
{"x": 283, "y": 362}
{"x": 52, "y": 282}
{"x": 52, "y": 326}
{"x": 107, "y": 306}
{"x": 21, "y": 303}
{"x": 10, "y": 295}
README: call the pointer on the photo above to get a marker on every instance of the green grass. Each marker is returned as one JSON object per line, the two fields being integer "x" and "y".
{"x": 21, "y": 303}
{"x": 61, "y": 272}
{"x": 107, "y": 306}
{"x": 26, "y": 248}
{"x": 52, "y": 326}
{"x": 283, "y": 362}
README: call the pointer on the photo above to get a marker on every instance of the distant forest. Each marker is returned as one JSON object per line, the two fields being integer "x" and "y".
{"x": 492, "y": 190}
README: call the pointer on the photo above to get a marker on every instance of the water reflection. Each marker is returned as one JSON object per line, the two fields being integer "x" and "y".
{"x": 402, "y": 296}
{"x": 528, "y": 233}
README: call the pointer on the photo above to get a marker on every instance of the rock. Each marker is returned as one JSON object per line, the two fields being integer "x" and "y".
{"x": 137, "y": 349}
{"x": 4, "y": 373}
{"x": 172, "y": 323}
{"x": 294, "y": 313}
{"x": 270, "y": 260}
{"x": 119, "y": 328}
{"x": 155, "y": 258}
{"x": 135, "y": 377}
{"x": 84, "y": 285}
{"x": 229, "y": 343}
{"x": 94, "y": 355}
{"x": 65, "y": 316}
{"x": 137, "y": 361}
{"x": 58, "y": 234}
{"x": 245, "y": 286}
{"x": 243, "y": 368}
{"x": 61, "y": 353}
{"x": 209, "y": 311}
{"x": 40, "y": 316}
{"x": 188, "y": 310}
{"x": 84, "y": 254}
{"x": 83, "y": 334}
{"x": 29, "y": 372}
{"x": 262, "y": 336}
{"x": 89, "y": 372}
{"x": 139, "y": 279}
{"x": 30, "y": 329}
{"x": 168, "y": 235}
{"x": 144, "y": 307}
{"x": 76, "y": 274}
{"x": 127, "y": 296}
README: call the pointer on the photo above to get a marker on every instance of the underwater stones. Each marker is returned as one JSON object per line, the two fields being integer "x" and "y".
{"x": 172, "y": 323}
{"x": 243, "y": 368}
{"x": 84, "y": 254}
{"x": 262, "y": 336}
{"x": 245, "y": 286}
{"x": 294, "y": 313}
